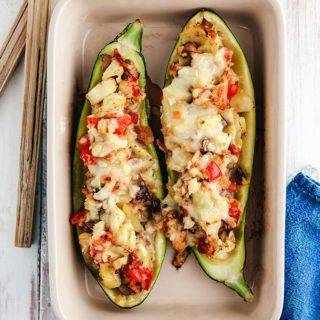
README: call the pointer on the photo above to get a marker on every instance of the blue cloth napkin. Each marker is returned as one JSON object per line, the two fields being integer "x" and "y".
{"x": 302, "y": 250}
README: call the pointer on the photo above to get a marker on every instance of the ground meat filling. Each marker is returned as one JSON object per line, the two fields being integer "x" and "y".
{"x": 203, "y": 140}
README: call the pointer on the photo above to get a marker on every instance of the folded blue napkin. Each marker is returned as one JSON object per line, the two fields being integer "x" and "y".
{"x": 302, "y": 250}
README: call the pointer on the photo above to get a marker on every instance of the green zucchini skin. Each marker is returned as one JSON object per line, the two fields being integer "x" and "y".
{"x": 230, "y": 270}
{"x": 129, "y": 41}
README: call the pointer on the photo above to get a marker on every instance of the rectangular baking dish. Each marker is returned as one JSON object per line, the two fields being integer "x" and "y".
{"x": 79, "y": 28}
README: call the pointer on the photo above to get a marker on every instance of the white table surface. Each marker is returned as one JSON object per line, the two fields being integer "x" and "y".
{"x": 24, "y": 290}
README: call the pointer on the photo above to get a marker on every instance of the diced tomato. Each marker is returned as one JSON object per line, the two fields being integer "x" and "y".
{"x": 87, "y": 157}
{"x": 134, "y": 117}
{"x": 213, "y": 171}
{"x": 140, "y": 276}
{"x": 78, "y": 217}
{"x": 232, "y": 90}
{"x": 234, "y": 149}
{"x": 92, "y": 120}
{"x": 123, "y": 123}
{"x": 232, "y": 186}
{"x": 84, "y": 143}
{"x": 234, "y": 209}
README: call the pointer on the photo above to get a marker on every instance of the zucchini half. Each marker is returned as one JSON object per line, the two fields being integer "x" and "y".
{"x": 129, "y": 44}
{"x": 230, "y": 270}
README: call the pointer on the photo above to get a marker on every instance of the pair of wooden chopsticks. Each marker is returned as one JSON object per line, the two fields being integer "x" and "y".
{"x": 13, "y": 46}
{"x": 30, "y": 31}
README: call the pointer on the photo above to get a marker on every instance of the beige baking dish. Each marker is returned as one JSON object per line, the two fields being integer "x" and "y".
{"x": 79, "y": 28}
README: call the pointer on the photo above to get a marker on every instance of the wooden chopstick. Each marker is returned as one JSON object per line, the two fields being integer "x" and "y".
{"x": 34, "y": 85}
{"x": 13, "y": 46}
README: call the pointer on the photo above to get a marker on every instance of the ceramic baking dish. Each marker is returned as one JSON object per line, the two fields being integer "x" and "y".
{"x": 79, "y": 28}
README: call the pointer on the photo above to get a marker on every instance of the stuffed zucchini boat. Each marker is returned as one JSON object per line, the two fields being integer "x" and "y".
{"x": 117, "y": 183}
{"x": 208, "y": 124}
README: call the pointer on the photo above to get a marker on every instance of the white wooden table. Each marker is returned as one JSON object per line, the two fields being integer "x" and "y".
{"x": 24, "y": 290}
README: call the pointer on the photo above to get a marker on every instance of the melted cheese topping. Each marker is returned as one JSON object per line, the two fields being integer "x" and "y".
{"x": 117, "y": 165}
{"x": 209, "y": 208}
{"x": 199, "y": 128}
{"x": 204, "y": 71}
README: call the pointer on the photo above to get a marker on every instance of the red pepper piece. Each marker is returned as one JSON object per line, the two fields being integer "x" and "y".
{"x": 87, "y": 157}
{"x": 213, "y": 171}
{"x": 84, "y": 143}
{"x": 132, "y": 79}
{"x": 92, "y": 120}
{"x": 232, "y": 90}
{"x": 78, "y": 217}
{"x": 234, "y": 149}
{"x": 232, "y": 186}
{"x": 136, "y": 91}
{"x": 134, "y": 117}
{"x": 123, "y": 123}
{"x": 148, "y": 276}
{"x": 140, "y": 276}
{"x": 134, "y": 86}
{"x": 234, "y": 209}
